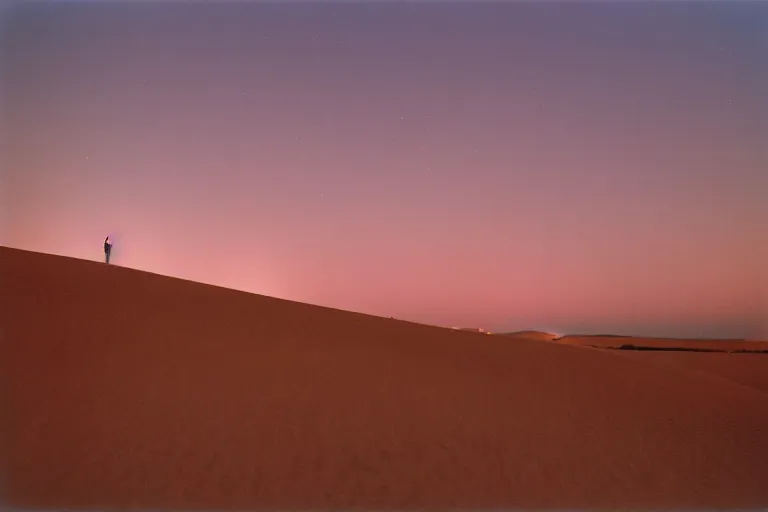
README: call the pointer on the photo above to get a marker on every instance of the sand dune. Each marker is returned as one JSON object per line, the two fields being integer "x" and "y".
{"x": 530, "y": 335}
{"x": 124, "y": 388}
{"x": 665, "y": 343}
{"x": 746, "y": 369}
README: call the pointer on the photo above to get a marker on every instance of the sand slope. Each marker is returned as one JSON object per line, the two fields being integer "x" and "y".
{"x": 124, "y": 388}
{"x": 746, "y": 369}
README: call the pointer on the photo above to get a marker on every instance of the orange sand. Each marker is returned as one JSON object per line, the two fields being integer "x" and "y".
{"x": 123, "y": 388}
{"x": 681, "y": 344}
{"x": 530, "y": 335}
{"x": 746, "y": 369}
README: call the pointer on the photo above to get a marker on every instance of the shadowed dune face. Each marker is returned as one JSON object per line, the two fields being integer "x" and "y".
{"x": 124, "y": 389}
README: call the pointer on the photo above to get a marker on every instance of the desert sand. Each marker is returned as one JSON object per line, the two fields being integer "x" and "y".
{"x": 691, "y": 345}
{"x": 128, "y": 389}
{"x": 746, "y": 369}
{"x": 530, "y": 335}
{"x": 735, "y": 360}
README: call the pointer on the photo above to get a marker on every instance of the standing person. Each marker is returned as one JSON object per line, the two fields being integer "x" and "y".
{"x": 107, "y": 249}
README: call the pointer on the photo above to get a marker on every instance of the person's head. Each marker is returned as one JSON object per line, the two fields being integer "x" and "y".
{"x": 106, "y": 240}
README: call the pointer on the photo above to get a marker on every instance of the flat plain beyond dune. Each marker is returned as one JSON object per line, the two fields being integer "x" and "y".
{"x": 640, "y": 343}
{"x": 128, "y": 389}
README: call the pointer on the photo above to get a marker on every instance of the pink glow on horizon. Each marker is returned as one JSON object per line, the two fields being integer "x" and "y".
{"x": 483, "y": 173}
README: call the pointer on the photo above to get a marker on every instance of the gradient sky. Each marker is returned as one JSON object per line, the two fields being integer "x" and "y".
{"x": 577, "y": 167}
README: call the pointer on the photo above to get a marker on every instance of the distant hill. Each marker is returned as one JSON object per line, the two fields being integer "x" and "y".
{"x": 530, "y": 335}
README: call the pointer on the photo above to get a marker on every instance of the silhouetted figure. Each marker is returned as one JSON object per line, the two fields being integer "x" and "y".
{"x": 107, "y": 249}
